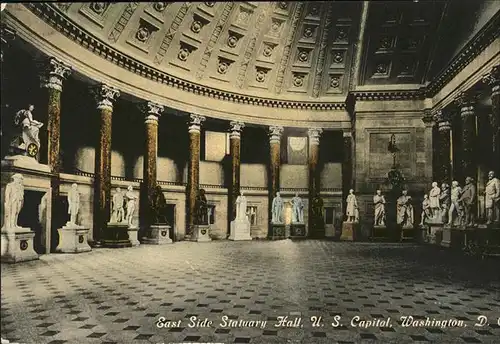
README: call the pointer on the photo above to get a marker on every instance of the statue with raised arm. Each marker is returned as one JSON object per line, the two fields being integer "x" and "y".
{"x": 379, "y": 204}
{"x": 277, "y": 209}
{"x": 14, "y": 199}
{"x": 73, "y": 203}
{"x": 241, "y": 207}
{"x": 131, "y": 198}
{"x": 118, "y": 211}
{"x": 28, "y": 140}
{"x": 404, "y": 210}
{"x": 352, "y": 211}
{"x": 297, "y": 209}
{"x": 492, "y": 198}
{"x": 468, "y": 199}
{"x": 426, "y": 210}
{"x": 455, "y": 212}
{"x": 434, "y": 195}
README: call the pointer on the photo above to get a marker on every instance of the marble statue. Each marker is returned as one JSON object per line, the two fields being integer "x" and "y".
{"x": 158, "y": 204}
{"x": 277, "y": 209}
{"x": 468, "y": 200}
{"x": 118, "y": 211}
{"x": 492, "y": 198}
{"x": 352, "y": 211}
{"x": 426, "y": 210}
{"x": 404, "y": 210}
{"x": 201, "y": 208}
{"x": 241, "y": 207}
{"x": 379, "y": 203}
{"x": 297, "y": 209}
{"x": 455, "y": 212}
{"x": 434, "y": 200}
{"x": 14, "y": 198}
{"x": 73, "y": 203}
{"x": 444, "y": 201}
{"x": 29, "y": 128}
{"x": 131, "y": 198}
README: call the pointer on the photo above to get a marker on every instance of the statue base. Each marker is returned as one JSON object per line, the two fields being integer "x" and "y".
{"x": 349, "y": 231}
{"x": 116, "y": 236}
{"x": 17, "y": 245}
{"x": 201, "y": 233}
{"x": 278, "y": 231}
{"x": 133, "y": 236}
{"x": 435, "y": 233}
{"x": 157, "y": 235}
{"x": 73, "y": 239}
{"x": 297, "y": 231}
{"x": 240, "y": 230}
{"x": 24, "y": 161}
{"x": 407, "y": 233}
{"x": 379, "y": 233}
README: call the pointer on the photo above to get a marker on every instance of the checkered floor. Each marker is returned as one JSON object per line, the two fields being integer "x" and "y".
{"x": 117, "y": 296}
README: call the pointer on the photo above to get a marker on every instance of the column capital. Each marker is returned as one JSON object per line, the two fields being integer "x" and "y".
{"x": 346, "y": 134}
{"x": 314, "y": 135}
{"x": 275, "y": 133}
{"x": 428, "y": 118}
{"x": 442, "y": 120}
{"x": 236, "y": 129}
{"x": 492, "y": 79}
{"x": 54, "y": 73}
{"x": 105, "y": 96}
{"x": 195, "y": 122}
{"x": 152, "y": 111}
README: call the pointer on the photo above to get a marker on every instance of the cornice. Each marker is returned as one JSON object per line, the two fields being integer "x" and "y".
{"x": 388, "y": 95}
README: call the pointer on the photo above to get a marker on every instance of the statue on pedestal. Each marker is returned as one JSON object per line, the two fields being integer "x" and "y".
{"x": 317, "y": 209}
{"x": 444, "y": 201}
{"x": 277, "y": 209}
{"x": 379, "y": 203}
{"x": 118, "y": 214}
{"x": 158, "y": 203}
{"x": 405, "y": 210}
{"x": 131, "y": 204}
{"x": 241, "y": 207}
{"x": 492, "y": 198}
{"x": 468, "y": 199}
{"x": 455, "y": 211}
{"x": 426, "y": 210}
{"x": 14, "y": 198}
{"x": 297, "y": 209}
{"x": 201, "y": 208}
{"x": 28, "y": 138}
{"x": 352, "y": 211}
{"x": 434, "y": 195}
{"x": 73, "y": 204}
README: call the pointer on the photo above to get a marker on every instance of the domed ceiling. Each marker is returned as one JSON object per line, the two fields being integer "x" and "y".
{"x": 284, "y": 50}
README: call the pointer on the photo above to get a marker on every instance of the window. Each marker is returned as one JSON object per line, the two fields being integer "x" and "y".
{"x": 252, "y": 215}
{"x": 211, "y": 214}
{"x": 329, "y": 215}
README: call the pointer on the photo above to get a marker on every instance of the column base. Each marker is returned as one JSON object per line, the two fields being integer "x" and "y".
{"x": 116, "y": 236}
{"x": 17, "y": 245}
{"x": 297, "y": 231}
{"x": 278, "y": 231}
{"x": 240, "y": 230}
{"x": 133, "y": 236}
{"x": 158, "y": 235}
{"x": 349, "y": 231}
{"x": 201, "y": 233}
{"x": 73, "y": 239}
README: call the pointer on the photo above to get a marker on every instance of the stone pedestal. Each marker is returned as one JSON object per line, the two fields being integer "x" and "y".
{"x": 73, "y": 239}
{"x": 447, "y": 236}
{"x": 158, "y": 235}
{"x": 133, "y": 233}
{"x": 240, "y": 230}
{"x": 435, "y": 233}
{"x": 349, "y": 231}
{"x": 407, "y": 233}
{"x": 379, "y": 233}
{"x": 278, "y": 231}
{"x": 298, "y": 231}
{"x": 17, "y": 245}
{"x": 201, "y": 233}
{"x": 116, "y": 236}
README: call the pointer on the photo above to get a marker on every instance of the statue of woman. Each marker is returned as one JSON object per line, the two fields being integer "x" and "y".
{"x": 30, "y": 127}
{"x": 73, "y": 203}
{"x": 352, "y": 210}
{"x": 14, "y": 199}
{"x": 379, "y": 202}
{"x": 404, "y": 210}
{"x": 131, "y": 203}
{"x": 241, "y": 207}
{"x": 277, "y": 209}
{"x": 297, "y": 209}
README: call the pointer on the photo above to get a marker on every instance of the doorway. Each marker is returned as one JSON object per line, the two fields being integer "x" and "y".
{"x": 30, "y": 217}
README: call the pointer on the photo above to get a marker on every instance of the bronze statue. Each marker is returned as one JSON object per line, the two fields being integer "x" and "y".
{"x": 158, "y": 206}
{"x": 468, "y": 199}
{"x": 201, "y": 209}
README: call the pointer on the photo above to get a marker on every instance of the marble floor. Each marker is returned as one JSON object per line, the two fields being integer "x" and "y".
{"x": 119, "y": 295}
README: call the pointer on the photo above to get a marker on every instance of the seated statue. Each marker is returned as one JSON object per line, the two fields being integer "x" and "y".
{"x": 201, "y": 209}
{"x": 158, "y": 204}
{"x": 28, "y": 138}
{"x": 468, "y": 199}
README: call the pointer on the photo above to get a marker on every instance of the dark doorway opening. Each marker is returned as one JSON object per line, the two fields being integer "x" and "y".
{"x": 30, "y": 217}
{"x": 170, "y": 216}
{"x": 59, "y": 219}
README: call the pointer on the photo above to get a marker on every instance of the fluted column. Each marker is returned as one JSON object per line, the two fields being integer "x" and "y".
{"x": 442, "y": 148}
{"x": 347, "y": 163}
{"x": 105, "y": 97}
{"x": 152, "y": 113}
{"x": 493, "y": 80}
{"x": 234, "y": 151}
{"x": 193, "y": 181}
{"x": 428, "y": 120}
{"x": 314, "y": 135}
{"x": 275, "y": 133}
{"x": 466, "y": 103}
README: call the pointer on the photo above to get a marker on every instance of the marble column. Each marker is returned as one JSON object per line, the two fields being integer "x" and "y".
{"x": 105, "y": 97}
{"x": 493, "y": 80}
{"x": 234, "y": 151}
{"x": 275, "y": 133}
{"x": 347, "y": 167}
{"x": 466, "y": 103}
{"x": 314, "y": 135}
{"x": 193, "y": 177}
{"x": 442, "y": 148}
{"x": 152, "y": 113}
{"x": 428, "y": 120}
